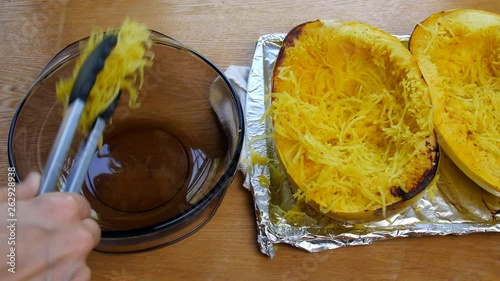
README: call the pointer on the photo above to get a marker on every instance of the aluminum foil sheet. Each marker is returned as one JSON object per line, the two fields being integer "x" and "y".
{"x": 282, "y": 219}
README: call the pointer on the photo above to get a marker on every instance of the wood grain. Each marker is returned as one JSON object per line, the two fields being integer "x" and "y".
{"x": 225, "y": 32}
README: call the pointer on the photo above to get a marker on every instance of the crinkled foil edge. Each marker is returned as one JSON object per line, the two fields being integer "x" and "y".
{"x": 428, "y": 217}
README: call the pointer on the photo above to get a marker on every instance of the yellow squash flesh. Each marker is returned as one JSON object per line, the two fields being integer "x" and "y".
{"x": 458, "y": 52}
{"x": 352, "y": 120}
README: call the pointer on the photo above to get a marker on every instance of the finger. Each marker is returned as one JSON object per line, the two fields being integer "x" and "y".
{"x": 82, "y": 274}
{"x": 69, "y": 248}
{"x": 65, "y": 269}
{"x": 93, "y": 228}
{"x": 20, "y": 190}
{"x": 83, "y": 204}
{"x": 25, "y": 190}
{"x": 71, "y": 204}
{"x": 36, "y": 266}
{"x": 29, "y": 187}
{"x": 54, "y": 209}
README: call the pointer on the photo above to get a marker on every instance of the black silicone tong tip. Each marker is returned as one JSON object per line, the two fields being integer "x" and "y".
{"x": 106, "y": 114}
{"x": 94, "y": 63}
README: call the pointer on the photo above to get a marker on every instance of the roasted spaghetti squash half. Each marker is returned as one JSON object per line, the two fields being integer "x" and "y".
{"x": 352, "y": 120}
{"x": 459, "y": 54}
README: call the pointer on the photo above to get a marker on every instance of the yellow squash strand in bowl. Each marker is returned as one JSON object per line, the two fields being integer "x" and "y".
{"x": 121, "y": 71}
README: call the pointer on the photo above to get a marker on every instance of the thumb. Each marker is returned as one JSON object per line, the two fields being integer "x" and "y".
{"x": 29, "y": 187}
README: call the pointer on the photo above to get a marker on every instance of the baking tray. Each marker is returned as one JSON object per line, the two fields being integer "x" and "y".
{"x": 283, "y": 220}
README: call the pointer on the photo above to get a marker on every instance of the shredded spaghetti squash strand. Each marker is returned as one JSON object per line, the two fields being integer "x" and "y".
{"x": 123, "y": 71}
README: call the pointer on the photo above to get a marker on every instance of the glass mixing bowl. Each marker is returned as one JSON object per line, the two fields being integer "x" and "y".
{"x": 163, "y": 168}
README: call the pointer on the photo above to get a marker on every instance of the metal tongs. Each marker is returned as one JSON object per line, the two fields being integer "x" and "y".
{"x": 83, "y": 84}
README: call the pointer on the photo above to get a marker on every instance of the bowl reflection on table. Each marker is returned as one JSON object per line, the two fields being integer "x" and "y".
{"x": 164, "y": 167}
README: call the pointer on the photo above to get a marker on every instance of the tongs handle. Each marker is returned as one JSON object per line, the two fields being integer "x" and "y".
{"x": 84, "y": 82}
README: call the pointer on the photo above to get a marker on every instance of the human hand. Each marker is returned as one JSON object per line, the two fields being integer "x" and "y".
{"x": 53, "y": 234}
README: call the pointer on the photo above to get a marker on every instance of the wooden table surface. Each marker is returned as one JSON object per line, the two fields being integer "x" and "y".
{"x": 32, "y": 32}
